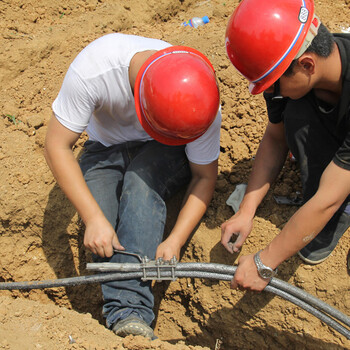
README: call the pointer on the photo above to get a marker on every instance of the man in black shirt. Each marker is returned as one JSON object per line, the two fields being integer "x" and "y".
{"x": 304, "y": 73}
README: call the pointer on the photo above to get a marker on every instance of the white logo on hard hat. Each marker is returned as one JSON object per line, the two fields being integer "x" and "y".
{"x": 303, "y": 14}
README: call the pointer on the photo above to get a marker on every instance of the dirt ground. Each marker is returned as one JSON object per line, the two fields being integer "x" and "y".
{"x": 40, "y": 232}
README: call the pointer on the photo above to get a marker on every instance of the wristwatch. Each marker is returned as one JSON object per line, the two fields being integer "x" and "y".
{"x": 263, "y": 270}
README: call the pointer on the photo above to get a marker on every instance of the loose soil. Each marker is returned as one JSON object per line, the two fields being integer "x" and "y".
{"x": 41, "y": 234}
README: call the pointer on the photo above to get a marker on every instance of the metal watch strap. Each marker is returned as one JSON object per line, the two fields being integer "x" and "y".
{"x": 263, "y": 270}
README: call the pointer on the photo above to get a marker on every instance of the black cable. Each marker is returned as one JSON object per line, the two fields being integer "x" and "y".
{"x": 230, "y": 270}
{"x": 199, "y": 270}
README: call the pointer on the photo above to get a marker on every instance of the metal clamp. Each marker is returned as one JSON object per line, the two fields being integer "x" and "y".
{"x": 158, "y": 265}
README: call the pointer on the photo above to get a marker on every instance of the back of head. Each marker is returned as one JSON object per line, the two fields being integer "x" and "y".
{"x": 263, "y": 37}
{"x": 176, "y": 95}
{"x": 322, "y": 45}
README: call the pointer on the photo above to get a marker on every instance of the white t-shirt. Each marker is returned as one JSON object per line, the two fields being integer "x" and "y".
{"x": 96, "y": 96}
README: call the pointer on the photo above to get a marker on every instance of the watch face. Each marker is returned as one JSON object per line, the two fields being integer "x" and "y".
{"x": 266, "y": 273}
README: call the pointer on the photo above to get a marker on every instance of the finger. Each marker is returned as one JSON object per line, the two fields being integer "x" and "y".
{"x": 225, "y": 228}
{"x": 166, "y": 256}
{"x": 91, "y": 248}
{"x": 170, "y": 255}
{"x": 233, "y": 242}
{"x": 235, "y": 285}
{"x": 100, "y": 251}
{"x": 238, "y": 243}
{"x": 229, "y": 247}
{"x": 159, "y": 254}
{"x": 108, "y": 249}
{"x": 225, "y": 241}
{"x": 116, "y": 244}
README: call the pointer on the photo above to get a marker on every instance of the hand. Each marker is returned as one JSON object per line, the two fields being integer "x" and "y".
{"x": 239, "y": 225}
{"x": 168, "y": 249}
{"x": 247, "y": 276}
{"x": 101, "y": 238}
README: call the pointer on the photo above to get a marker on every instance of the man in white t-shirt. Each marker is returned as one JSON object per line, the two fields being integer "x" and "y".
{"x": 151, "y": 111}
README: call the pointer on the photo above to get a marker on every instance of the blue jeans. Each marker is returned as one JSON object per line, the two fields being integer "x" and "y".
{"x": 131, "y": 182}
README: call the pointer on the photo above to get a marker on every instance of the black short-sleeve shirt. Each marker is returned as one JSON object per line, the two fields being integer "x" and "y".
{"x": 340, "y": 122}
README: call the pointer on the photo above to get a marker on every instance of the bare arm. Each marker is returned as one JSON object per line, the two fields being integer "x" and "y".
{"x": 304, "y": 225}
{"x": 196, "y": 201}
{"x": 311, "y": 218}
{"x": 269, "y": 160}
{"x": 99, "y": 236}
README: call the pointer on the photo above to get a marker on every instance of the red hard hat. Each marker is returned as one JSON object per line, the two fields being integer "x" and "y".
{"x": 263, "y": 37}
{"x": 176, "y": 95}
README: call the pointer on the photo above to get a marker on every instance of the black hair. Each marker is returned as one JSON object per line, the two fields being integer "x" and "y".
{"x": 322, "y": 45}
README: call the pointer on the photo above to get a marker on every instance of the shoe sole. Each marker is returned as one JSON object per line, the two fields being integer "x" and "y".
{"x": 133, "y": 326}
{"x": 133, "y": 329}
{"x": 312, "y": 262}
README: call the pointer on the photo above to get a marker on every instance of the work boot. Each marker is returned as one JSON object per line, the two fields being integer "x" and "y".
{"x": 133, "y": 325}
{"x": 321, "y": 247}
